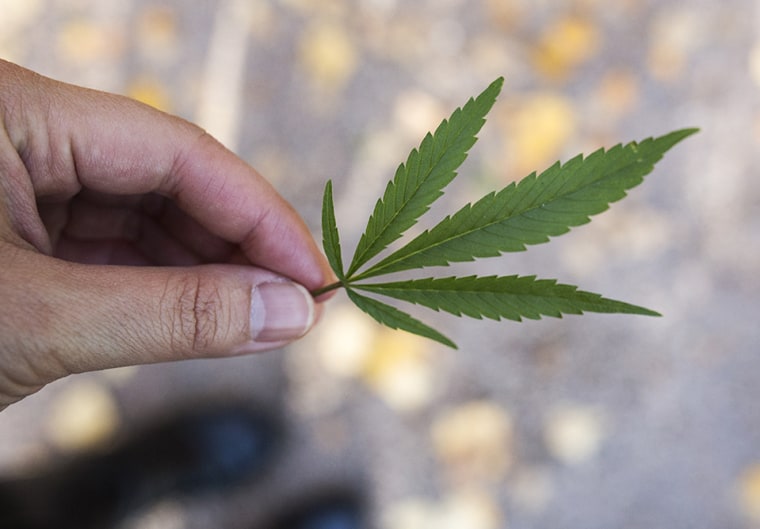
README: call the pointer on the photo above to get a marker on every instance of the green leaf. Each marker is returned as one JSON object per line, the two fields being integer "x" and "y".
{"x": 510, "y": 297}
{"x": 420, "y": 181}
{"x": 395, "y": 318}
{"x": 536, "y": 208}
{"x": 330, "y": 237}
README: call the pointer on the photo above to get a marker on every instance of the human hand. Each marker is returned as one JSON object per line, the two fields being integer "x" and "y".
{"x": 128, "y": 236}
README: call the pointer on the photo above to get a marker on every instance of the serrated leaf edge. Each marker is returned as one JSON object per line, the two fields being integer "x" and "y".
{"x": 394, "y": 261}
{"x": 395, "y": 318}
{"x": 330, "y": 235}
{"x": 367, "y": 249}
{"x": 515, "y": 293}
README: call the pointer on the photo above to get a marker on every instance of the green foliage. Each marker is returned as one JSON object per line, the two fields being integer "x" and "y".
{"x": 420, "y": 181}
{"x": 521, "y": 214}
{"x": 330, "y": 238}
{"x": 394, "y": 318}
{"x": 510, "y": 297}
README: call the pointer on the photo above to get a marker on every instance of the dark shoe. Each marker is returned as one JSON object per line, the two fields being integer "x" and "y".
{"x": 199, "y": 452}
{"x": 328, "y": 510}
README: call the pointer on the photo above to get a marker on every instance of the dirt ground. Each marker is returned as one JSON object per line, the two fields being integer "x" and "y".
{"x": 579, "y": 423}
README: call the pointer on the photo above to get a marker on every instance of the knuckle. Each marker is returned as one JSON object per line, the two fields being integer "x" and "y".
{"x": 194, "y": 324}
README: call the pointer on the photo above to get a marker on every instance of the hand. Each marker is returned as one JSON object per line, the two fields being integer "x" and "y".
{"x": 129, "y": 236}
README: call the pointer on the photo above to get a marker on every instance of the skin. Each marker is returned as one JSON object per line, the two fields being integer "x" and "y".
{"x": 129, "y": 236}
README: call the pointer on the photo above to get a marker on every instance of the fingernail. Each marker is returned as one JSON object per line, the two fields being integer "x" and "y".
{"x": 280, "y": 311}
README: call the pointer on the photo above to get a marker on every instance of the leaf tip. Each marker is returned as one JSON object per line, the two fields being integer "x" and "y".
{"x": 677, "y": 136}
{"x": 327, "y": 194}
{"x": 330, "y": 236}
{"x": 685, "y": 132}
{"x": 494, "y": 89}
{"x": 640, "y": 311}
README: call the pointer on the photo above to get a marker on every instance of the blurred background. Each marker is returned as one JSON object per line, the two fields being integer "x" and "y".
{"x": 582, "y": 422}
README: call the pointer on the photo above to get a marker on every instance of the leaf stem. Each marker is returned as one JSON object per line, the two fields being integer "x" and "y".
{"x": 328, "y": 288}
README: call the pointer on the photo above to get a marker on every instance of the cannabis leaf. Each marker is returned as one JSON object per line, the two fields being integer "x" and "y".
{"x": 396, "y": 319}
{"x": 330, "y": 238}
{"x": 530, "y": 212}
{"x": 510, "y": 297}
{"x": 521, "y": 214}
{"x": 420, "y": 181}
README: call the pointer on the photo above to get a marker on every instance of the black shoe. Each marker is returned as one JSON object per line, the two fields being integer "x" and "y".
{"x": 328, "y": 510}
{"x": 199, "y": 452}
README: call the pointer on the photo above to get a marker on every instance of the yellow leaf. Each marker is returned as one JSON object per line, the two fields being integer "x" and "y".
{"x": 474, "y": 441}
{"x": 749, "y": 493}
{"x": 84, "y": 41}
{"x": 83, "y": 416}
{"x": 537, "y": 130}
{"x": 157, "y": 35}
{"x": 328, "y": 54}
{"x": 565, "y": 45}
{"x": 151, "y": 92}
{"x": 400, "y": 370}
{"x": 618, "y": 93}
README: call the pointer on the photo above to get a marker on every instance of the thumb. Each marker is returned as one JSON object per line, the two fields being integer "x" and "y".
{"x": 79, "y": 317}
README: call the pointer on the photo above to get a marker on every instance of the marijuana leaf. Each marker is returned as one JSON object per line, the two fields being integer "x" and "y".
{"x": 521, "y": 214}
{"x": 510, "y": 297}
{"x": 330, "y": 237}
{"x": 420, "y": 181}
{"x": 396, "y": 319}
{"x": 530, "y": 212}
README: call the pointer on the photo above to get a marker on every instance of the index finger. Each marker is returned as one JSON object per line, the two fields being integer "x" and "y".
{"x": 77, "y": 137}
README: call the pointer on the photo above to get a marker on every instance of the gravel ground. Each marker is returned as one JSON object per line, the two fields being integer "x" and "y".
{"x": 584, "y": 422}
